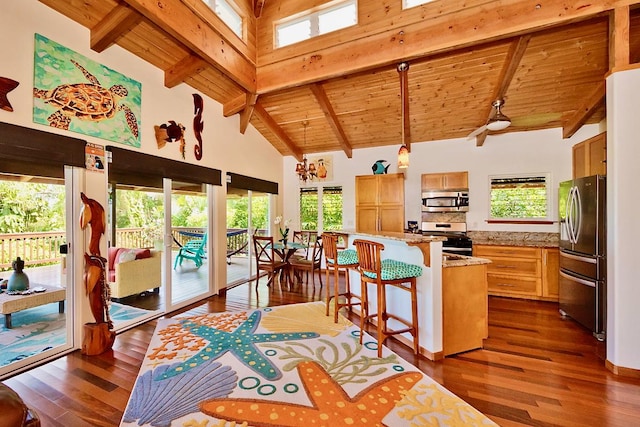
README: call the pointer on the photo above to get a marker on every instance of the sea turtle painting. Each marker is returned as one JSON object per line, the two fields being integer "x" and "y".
{"x": 86, "y": 101}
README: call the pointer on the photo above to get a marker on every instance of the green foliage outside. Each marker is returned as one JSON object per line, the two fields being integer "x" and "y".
{"x": 331, "y": 209}
{"x": 31, "y": 208}
{"x": 519, "y": 203}
{"x": 238, "y": 212}
{"x": 309, "y": 210}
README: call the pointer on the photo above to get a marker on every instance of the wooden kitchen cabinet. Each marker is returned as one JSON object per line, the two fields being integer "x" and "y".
{"x": 445, "y": 181}
{"x": 521, "y": 271}
{"x": 380, "y": 203}
{"x": 550, "y": 273}
{"x": 590, "y": 156}
{"x": 464, "y": 308}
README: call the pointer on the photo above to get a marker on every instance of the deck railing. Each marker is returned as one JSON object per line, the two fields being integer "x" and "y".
{"x": 44, "y": 248}
{"x": 32, "y": 248}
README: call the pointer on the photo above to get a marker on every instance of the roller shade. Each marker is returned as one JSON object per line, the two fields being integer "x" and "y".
{"x": 134, "y": 168}
{"x": 34, "y": 152}
{"x": 254, "y": 184}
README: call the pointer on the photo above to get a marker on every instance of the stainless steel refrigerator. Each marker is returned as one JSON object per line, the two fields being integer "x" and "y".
{"x": 583, "y": 266}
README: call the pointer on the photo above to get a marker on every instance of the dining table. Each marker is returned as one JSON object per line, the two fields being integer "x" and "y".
{"x": 285, "y": 252}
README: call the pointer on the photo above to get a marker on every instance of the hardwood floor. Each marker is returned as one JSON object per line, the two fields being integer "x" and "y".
{"x": 536, "y": 369}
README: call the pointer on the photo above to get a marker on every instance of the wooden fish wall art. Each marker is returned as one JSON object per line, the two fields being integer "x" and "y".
{"x": 198, "y": 124}
{"x": 170, "y": 132}
{"x": 6, "y": 86}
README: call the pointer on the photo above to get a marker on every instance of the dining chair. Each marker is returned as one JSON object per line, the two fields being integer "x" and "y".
{"x": 307, "y": 238}
{"x": 266, "y": 258}
{"x": 383, "y": 273}
{"x": 310, "y": 265}
{"x": 335, "y": 261}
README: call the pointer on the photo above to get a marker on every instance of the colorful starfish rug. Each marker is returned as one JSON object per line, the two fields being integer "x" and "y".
{"x": 282, "y": 366}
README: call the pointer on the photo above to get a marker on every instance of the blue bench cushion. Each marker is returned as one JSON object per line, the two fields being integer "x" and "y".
{"x": 346, "y": 257}
{"x": 394, "y": 270}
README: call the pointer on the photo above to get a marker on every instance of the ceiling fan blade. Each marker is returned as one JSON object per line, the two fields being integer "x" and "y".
{"x": 477, "y": 132}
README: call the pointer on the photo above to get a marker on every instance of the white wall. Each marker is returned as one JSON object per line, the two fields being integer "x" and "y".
{"x": 623, "y": 229}
{"x": 224, "y": 147}
{"x": 525, "y": 152}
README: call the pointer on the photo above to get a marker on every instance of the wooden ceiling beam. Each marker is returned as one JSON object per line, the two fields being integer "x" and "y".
{"x": 258, "y": 5}
{"x": 585, "y": 111}
{"x": 119, "y": 21}
{"x": 201, "y": 37}
{"x": 516, "y": 51}
{"x": 234, "y": 106}
{"x": 277, "y": 131}
{"x": 425, "y": 37}
{"x": 332, "y": 118}
{"x": 247, "y": 112}
{"x": 185, "y": 68}
{"x": 619, "y": 44}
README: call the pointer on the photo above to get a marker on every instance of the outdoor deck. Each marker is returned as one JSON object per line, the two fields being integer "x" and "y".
{"x": 187, "y": 281}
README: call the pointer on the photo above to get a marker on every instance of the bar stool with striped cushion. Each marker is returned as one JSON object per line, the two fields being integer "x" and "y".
{"x": 382, "y": 273}
{"x": 335, "y": 260}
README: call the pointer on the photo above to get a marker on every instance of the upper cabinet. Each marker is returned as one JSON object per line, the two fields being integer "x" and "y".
{"x": 380, "y": 202}
{"x": 590, "y": 156}
{"x": 445, "y": 181}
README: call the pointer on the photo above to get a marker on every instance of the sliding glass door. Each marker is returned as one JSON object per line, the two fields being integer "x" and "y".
{"x": 36, "y": 292}
{"x": 191, "y": 259}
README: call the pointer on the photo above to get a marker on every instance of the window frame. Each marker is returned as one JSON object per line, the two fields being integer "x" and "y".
{"x": 313, "y": 17}
{"x": 548, "y": 219}
{"x": 229, "y": 5}
{"x": 419, "y": 3}
{"x": 319, "y": 191}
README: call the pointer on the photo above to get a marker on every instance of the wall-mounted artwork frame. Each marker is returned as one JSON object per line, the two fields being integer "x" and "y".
{"x": 324, "y": 168}
{"x": 76, "y": 93}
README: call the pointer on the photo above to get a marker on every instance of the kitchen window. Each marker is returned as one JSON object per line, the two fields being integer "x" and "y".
{"x": 321, "y": 208}
{"x": 520, "y": 198}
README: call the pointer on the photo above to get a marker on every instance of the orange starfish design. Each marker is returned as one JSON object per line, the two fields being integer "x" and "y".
{"x": 331, "y": 406}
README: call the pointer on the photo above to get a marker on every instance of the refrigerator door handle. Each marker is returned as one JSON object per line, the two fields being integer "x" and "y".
{"x": 579, "y": 258}
{"x": 569, "y": 210}
{"x": 577, "y": 280}
{"x": 578, "y": 212}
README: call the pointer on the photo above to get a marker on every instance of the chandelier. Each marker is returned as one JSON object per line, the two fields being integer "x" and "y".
{"x": 306, "y": 172}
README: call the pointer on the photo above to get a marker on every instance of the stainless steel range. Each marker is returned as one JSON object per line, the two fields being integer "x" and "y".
{"x": 456, "y": 233}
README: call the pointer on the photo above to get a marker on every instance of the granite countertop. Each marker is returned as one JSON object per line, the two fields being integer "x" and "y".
{"x": 456, "y": 260}
{"x": 514, "y": 238}
{"x": 403, "y": 237}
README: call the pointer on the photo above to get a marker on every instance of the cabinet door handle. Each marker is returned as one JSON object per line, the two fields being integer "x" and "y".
{"x": 506, "y": 285}
{"x": 505, "y": 266}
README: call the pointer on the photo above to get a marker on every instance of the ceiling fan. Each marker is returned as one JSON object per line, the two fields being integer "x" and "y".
{"x": 496, "y": 122}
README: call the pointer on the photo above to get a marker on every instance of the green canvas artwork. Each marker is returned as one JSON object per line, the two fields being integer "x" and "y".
{"x": 75, "y": 93}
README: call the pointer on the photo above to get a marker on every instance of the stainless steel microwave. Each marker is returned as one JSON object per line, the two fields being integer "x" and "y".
{"x": 445, "y": 201}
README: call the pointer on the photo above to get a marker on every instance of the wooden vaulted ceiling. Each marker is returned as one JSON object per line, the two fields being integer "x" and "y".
{"x": 546, "y": 59}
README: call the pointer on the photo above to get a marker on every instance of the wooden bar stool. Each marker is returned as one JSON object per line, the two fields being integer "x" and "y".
{"x": 382, "y": 273}
{"x": 336, "y": 260}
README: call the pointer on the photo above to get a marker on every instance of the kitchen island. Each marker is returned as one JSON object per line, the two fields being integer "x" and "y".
{"x": 425, "y": 251}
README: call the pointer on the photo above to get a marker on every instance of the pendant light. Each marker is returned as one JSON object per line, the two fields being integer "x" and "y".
{"x": 305, "y": 172}
{"x": 403, "y": 152}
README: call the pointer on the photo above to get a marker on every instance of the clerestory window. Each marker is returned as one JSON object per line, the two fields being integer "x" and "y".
{"x": 313, "y": 23}
{"x": 227, "y": 13}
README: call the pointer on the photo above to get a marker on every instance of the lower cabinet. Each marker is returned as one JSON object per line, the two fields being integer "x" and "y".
{"x": 521, "y": 271}
{"x": 464, "y": 308}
